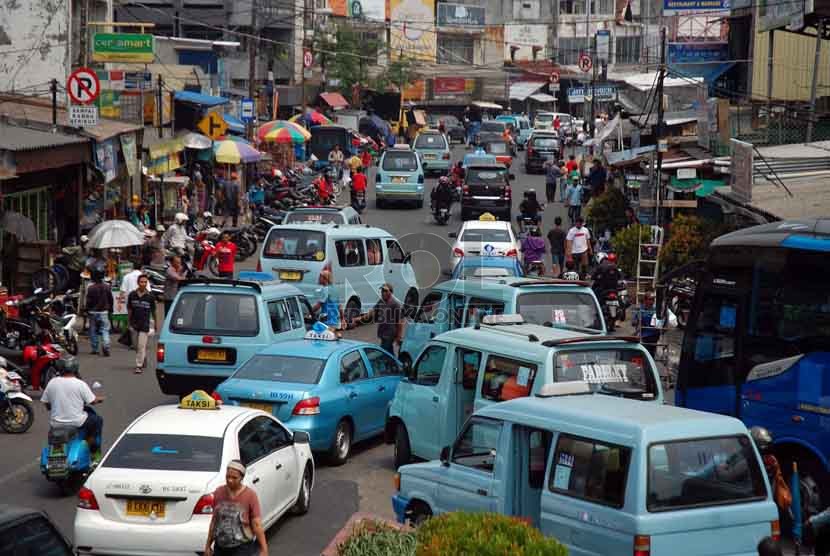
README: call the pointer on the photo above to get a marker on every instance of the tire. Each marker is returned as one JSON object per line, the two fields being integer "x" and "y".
{"x": 304, "y": 498}
{"x": 814, "y": 492}
{"x": 341, "y": 445}
{"x": 18, "y": 418}
{"x": 418, "y": 513}
{"x": 410, "y": 303}
{"x": 213, "y": 266}
{"x": 45, "y": 279}
{"x": 403, "y": 453}
{"x": 71, "y": 346}
{"x": 352, "y": 310}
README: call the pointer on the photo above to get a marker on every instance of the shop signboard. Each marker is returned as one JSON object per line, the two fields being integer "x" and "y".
{"x": 412, "y": 30}
{"x": 460, "y": 14}
{"x": 123, "y": 47}
{"x": 602, "y": 93}
{"x": 741, "y": 171}
{"x": 449, "y": 86}
{"x": 524, "y": 36}
{"x": 371, "y": 10}
{"x": 603, "y": 44}
{"x": 693, "y": 52}
{"x": 672, "y": 7}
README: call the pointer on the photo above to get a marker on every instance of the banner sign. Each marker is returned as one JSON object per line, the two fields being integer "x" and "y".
{"x": 602, "y": 93}
{"x": 741, "y": 172}
{"x": 459, "y": 14}
{"x": 123, "y": 47}
{"x": 449, "y": 86}
{"x": 672, "y": 6}
{"x": 686, "y": 52}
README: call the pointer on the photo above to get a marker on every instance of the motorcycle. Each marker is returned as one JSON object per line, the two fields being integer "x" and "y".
{"x": 63, "y": 320}
{"x": 526, "y": 226}
{"x": 30, "y": 326}
{"x": 614, "y": 304}
{"x": 441, "y": 215}
{"x": 204, "y": 255}
{"x": 44, "y": 361}
{"x": 680, "y": 294}
{"x": 16, "y": 411}
{"x": 66, "y": 459}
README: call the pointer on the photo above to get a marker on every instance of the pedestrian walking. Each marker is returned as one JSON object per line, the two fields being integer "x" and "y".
{"x": 573, "y": 198}
{"x": 129, "y": 283}
{"x": 388, "y": 315}
{"x": 578, "y": 245}
{"x": 596, "y": 178}
{"x": 226, "y": 253}
{"x": 556, "y": 237}
{"x": 236, "y": 524}
{"x": 175, "y": 273}
{"x": 552, "y": 175}
{"x": 232, "y": 199}
{"x": 256, "y": 198}
{"x": 141, "y": 311}
{"x": 99, "y": 307}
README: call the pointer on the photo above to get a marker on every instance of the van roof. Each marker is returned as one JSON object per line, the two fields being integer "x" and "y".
{"x": 336, "y": 230}
{"x": 617, "y": 420}
{"x": 269, "y": 289}
{"x": 504, "y": 288}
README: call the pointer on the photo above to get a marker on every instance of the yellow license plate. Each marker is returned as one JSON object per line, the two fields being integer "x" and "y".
{"x": 143, "y": 508}
{"x": 266, "y": 407}
{"x": 429, "y": 157}
{"x": 288, "y": 275}
{"x": 212, "y": 355}
{"x": 398, "y": 179}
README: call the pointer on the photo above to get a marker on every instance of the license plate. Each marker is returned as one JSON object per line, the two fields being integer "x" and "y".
{"x": 613, "y": 303}
{"x": 398, "y": 179}
{"x": 429, "y": 157}
{"x": 212, "y": 355}
{"x": 612, "y": 310}
{"x": 290, "y": 275}
{"x": 143, "y": 508}
{"x": 266, "y": 407}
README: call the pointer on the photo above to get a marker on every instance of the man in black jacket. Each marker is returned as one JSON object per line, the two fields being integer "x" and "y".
{"x": 99, "y": 307}
{"x": 141, "y": 312}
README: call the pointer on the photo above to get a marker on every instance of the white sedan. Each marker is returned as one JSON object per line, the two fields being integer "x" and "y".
{"x": 485, "y": 237}
{"x": 153, "y": 491}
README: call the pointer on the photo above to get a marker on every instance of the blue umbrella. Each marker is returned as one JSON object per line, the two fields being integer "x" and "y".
{"x": 795, "y": 485}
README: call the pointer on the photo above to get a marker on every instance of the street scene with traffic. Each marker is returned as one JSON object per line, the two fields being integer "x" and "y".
{"x": 369, "y": 293}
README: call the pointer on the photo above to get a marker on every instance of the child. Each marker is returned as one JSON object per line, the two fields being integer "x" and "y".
{"x": 570, "y": 271}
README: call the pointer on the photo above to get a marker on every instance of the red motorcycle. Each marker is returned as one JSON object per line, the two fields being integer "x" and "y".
{"x": 42, "y": 361}
{"x": 204, "y": 251}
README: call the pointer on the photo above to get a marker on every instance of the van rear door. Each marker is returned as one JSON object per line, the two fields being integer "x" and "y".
{"x": 295, "y": 255}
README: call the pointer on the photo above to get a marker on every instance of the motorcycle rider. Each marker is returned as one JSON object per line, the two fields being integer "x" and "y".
{"x": 533, "y": 250}
{"x": 358, "y": 189}
{"x": 441, "y": 196}
{"x": 606, "y": 276}
{"x": 66, "y": 397}
{"x": 530, "y": 208}
{"x": 176, "y": 235}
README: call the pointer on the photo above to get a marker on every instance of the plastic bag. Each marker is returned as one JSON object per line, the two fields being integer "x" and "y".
{"x": 671, "y": 319}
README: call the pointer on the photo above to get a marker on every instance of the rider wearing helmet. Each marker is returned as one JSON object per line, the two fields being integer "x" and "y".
{"x": 606, "y": 276}
{"x": 530, "y": 207}
{"x": 176, "y": 235}
{"x": 533, "y": 250}
{"x": 441, "y": 196}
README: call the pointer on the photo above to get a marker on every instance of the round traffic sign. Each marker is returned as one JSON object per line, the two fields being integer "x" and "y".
{"x": 585, "y": 62}
{"x": 83, "y": 86}
{"x": 554, "y": 76}
{"x": 308, "y": 59}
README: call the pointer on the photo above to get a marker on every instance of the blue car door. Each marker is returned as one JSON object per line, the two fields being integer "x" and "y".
{"x": 358, "y": 390}
{"x": 385, "y": 373}
{"x": 427, "y": 323}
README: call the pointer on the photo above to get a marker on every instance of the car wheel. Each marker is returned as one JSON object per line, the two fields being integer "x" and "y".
{"x": 304, "y": 498}
{"x": 418, "y": 513}
{"x": 410, "y": 303}
{"x": 403, "y": 453}
{"x": 341, "y": 446}
{"x": 352, "y": 310}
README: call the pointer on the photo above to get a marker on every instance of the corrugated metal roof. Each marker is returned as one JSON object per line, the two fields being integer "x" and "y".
{"x": 523, "y": 89}
{"x": 199, "y": 98}
{"x": 18, "y": 139}
{"x": 542, "y": 97}
{"x": 335, "y": 100}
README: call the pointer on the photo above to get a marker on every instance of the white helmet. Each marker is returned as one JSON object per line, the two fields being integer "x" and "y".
{"x": 207, "y": 214}
{"x": 181, "y": 218}
{"x": 278, "y": 174}
{"x": 84, "y": 239}
{"x": 213, "y": 233}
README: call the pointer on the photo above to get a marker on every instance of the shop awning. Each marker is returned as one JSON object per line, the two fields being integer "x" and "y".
{"x": 488, "y": 105}
{"x": 523, "y": 89}
{"x": 165, "y": 156}
{"x": 234, "y": 124}
{"x": 200, "y": 99}
{"x": 335, "y": 100}
{"x": 542, "y": 97}
{"x": 701, "y": 187}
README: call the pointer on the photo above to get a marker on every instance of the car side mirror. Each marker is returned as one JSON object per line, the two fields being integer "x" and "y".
{"x": 301, "y": 437}
{"x": 445, "y": 456}
{"x": 452, "y": 235}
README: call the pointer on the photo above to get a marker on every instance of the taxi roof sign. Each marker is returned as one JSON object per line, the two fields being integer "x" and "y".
{"x": 321, "y": 332}
{"x": 487, "y": 217}
{"x": 198, "y": 400}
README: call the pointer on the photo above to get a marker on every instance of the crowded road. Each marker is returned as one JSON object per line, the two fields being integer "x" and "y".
{"x": 363, "y": 484}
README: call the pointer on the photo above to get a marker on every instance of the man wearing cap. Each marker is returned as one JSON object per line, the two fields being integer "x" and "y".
{"x": 389, "y": 318}
{"x": 236, "y": 525}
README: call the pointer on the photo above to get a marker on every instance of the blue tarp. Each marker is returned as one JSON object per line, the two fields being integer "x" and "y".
{"x": 234, "y": 124}
{"x": 199, "y": 98}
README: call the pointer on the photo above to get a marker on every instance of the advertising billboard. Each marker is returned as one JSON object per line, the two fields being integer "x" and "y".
{"x": 525, "y": 37}
{"x": 672, "y": 7}
{"x": 372, "y": 10}
{"x": 412, "y": 31}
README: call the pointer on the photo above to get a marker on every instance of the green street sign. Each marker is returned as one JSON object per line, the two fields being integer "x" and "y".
{"x": 123, "y": 47}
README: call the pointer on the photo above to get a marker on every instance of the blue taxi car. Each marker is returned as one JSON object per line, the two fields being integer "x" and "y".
{"x": 487, "y": 267}
{"x": 335, "y": 390}
{"x": 400, "y": 177}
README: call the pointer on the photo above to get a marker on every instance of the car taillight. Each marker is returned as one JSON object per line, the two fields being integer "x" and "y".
{"x": 458, "y": 252}
{"x": 512, "y": 253}
{"x": 529, "y": 151}
{"x": 508, "y": 192}
{"x": 396, "y": 481}
{"x": 86, "y": 499}
{"x": 775, "y": 530}
{"x": 216, "y": 396}
{"x": 308, "y": 406}
{"x": 160, "y": 353}
{"x": 204, "y": 506}
{"x": 612, "y": 295}
{"x": 259, "y": 266}
{"x": 465, "y": 189}
{"x": 211, "y": 340}
{"x": 446, "y": 156}
{"x": 642, "y": 545}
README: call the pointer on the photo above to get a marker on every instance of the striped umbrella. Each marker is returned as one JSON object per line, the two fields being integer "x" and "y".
{"x": 282, "y": 131}
{"x": 231, "y": 151}
{"x": 313, "y": 118}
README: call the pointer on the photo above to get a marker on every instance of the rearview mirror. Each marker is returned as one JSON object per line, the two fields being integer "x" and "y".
{"x": 452, "y": 235}
{"x": 445, "y": 456}
{"x": 301, "y": 437}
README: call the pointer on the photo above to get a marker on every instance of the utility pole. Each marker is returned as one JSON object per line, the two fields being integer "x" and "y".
{"x": 770, "y": 70}
{"x": 309, "y": 18}
{"x": 53, "y": 88}
{"x": 253, "y": 43}
{"x": 84, "y": 38}
{"x": 660, "y": 115}
{"x": 814, "y": 85}
{"x": 595, "y": 61}
{"x": 159, "y": 107}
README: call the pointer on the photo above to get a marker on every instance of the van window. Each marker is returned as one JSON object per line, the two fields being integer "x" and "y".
{"x": 382, "y": 364}
{"x": 352, "y": 368}
{"x": 296, "y": 314}
{"x": 400, "y": 161}
{"x": 314, "y": 217}
{"x": 429, "y": 365}
{"x": 305, "y": 245}
{"x": 278, "y": 313}
{"x": 430, "y": 141}
{"x": 395, "y": 252}
{"x": 539, "y": 444}
{"x": 590, "y": 470}
{"x": 429, "y": 307}
{"x": 469, "y": 362}
{"x": 478, "y": 308}
{"x": 477, "y": 446}
{"x": 506, "y": 379}
{"x": 374, "y": 252}
{"x": 560, "y": 309}
{"x": 223, "y": 314}
{"x": 33, "y": 537}
{"x": 350, "y": 252}
{"x": 607, "y": 370}
{"x": 703, "y": 472}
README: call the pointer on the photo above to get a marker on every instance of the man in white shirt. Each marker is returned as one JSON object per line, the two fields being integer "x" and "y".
{"x": 578, "y": 245}
{"x": 128, "y": 285}
{"x": 65, "y": 397}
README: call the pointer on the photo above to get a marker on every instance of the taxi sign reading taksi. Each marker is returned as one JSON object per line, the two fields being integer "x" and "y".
{"x": 321, "y": 332}
{"x": 198, "y": 400}
{"x": 487, "y": 217}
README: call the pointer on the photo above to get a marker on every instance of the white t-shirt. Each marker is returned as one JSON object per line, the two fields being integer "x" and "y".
{"x": 580, "y": 238}
{"x": 130, "y": 282}
{"x": 67, "y": 395}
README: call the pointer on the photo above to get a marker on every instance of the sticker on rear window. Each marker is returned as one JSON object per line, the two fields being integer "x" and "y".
{"x": 179, "y": 322}
{"x": 524, "y": 375}
{"x": 319, "y": 255}
{"x": 559, "y": 316}
{"x": 597, "y": 374}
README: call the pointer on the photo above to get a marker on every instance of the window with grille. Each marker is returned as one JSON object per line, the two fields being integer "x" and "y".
{"x": 628, "y": 49}
{"x": 570, "y": 48}
{"x": 455, "y": 49}
{"x": 34, "y": 205}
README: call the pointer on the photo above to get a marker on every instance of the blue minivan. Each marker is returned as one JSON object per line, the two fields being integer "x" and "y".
{"x": 399, "y": 177}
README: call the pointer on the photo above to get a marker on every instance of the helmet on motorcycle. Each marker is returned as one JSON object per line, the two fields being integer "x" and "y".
{"x": 278, "y": 174}
{"x": 67, "y": 365}
{"x": 213, "y": 233}
{"x": 611, "y": 258}
{"x": 181, "y": 218}
{"x": 761, "y": 437}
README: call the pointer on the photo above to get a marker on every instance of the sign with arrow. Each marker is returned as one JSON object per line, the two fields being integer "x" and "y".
{"x": 213, "y": 125}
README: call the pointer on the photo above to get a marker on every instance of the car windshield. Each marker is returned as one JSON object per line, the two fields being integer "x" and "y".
{"x": 282, "y": 243}
{"x": 490, "y": 235}
{"x": 492, "y": 126}
{"x": 497, "y": 148}
{"x": 621, "y": 372}
{"x": 481, "y": 271}
{"x": 476, "y": 176}
{"x": 222, "y": 314}
{"x": 400, "y": 162}
{"x": 450, "y": 121}
{"x": 314, "y": 217}
{"x": 545, "y": 143}
{"x": 282, "y": 368}
{"x": 430, "y": 141}
{"x": 166, "y": 452}
{"x": 544, "y": 117}
{"x": 560, "y": 309}
{"x": 703, "y": 472}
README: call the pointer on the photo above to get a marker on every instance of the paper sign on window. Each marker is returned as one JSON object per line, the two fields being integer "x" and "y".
{"x": 559, "y": 316}
{"x": 562, "y": 477}
{"x": 524, "y": 375}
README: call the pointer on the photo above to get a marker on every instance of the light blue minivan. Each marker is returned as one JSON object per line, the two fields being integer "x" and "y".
{"x": 604, "y": 476}
{"x": 434, "y": 151}
{"x": 399, "y": 177}
{"x": 521, "y": 127}
{"x": 360, "y": 259}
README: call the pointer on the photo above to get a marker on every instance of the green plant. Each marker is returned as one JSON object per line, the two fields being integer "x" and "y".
{"x": 607, "y": 212}
{"x": 375, "y": 538}
{"x": 688, "y": 239}
{"x": 483, "y": 534}
{"x": 626, "y": 242}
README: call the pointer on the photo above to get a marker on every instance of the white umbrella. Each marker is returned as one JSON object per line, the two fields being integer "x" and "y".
{"x": 197, "y": 141}
{"x": 18, "y": 225}
{"x": 113, "y": 234}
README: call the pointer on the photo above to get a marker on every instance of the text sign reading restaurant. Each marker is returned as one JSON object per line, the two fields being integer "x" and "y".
{"x": 123, "y": 47}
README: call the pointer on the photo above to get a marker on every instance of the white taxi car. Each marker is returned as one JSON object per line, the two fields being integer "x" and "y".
{"x": 485, "y": 237}
{"x": 153, "y": 491}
